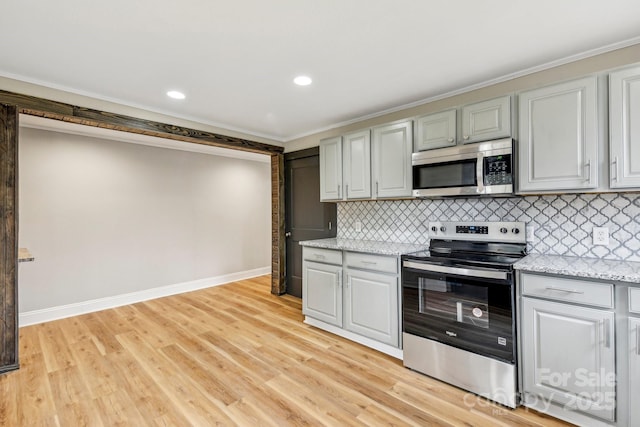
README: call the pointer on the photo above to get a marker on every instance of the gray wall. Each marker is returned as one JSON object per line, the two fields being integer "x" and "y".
{"x": 105, "y": 217}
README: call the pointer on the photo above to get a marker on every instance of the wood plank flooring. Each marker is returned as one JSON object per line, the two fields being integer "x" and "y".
{"x": 228, "y": 355}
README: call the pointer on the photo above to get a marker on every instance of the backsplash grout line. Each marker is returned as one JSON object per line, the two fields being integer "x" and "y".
{"x": 563, "y": 223}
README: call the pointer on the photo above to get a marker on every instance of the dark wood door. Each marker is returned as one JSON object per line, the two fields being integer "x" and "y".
{"x": 306, "y": 217}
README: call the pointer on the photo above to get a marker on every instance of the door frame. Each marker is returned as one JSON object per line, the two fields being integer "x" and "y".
{"x": 35, "y": 106}
{"x": 8, "y": 238}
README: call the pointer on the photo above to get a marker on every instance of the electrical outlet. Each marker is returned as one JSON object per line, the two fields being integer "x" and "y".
{"x": 358, "y": 226}
{"x": 601, "y": 236}
{"x": 531, "y": 234}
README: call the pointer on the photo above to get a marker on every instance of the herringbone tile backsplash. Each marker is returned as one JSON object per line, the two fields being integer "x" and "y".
{"x": 563, "y": 223}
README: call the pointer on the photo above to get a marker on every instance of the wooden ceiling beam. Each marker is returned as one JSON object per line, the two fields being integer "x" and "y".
{"x": 86, "y": 116}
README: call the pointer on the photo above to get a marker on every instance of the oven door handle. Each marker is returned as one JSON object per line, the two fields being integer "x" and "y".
{"x": 471, "y": 272}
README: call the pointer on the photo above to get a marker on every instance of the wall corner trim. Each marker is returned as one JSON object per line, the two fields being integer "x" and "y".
{"x": 60, "y": 312}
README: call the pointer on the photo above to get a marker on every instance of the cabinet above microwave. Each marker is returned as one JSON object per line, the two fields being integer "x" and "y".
{"x": 480, "y": 121}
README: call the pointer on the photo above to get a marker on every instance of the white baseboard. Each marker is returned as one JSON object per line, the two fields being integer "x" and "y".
{"x": 60, "y": 312}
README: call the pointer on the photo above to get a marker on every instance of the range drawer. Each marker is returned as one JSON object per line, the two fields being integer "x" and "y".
{"x": 634, "y": 300}
{"x": 385, "y": 264}
{"x": 571, "y": 290}
{"x": 327, "y": 256}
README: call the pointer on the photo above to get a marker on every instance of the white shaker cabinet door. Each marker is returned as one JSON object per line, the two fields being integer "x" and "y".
{"x": 624, "y": 128}
{"x": 436, "y": 130}
{"x": 391, "y": 160}
{"x": 331, "y": 169}
{"x": 486, "y": 120}
{"x": 558, "y": 144}
{"x": 357, "y": 165}
{"x": 322, "y": 292}
{"x": 371, "y": 305}
{"x": 569, "y": 356}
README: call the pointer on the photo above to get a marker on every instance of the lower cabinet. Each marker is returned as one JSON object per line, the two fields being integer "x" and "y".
{"x": 569, "y": 356}
{"x": 634, "y": 372}
{"x": 371, "y": 305}
{"x": 568, "y": 350}
{"x": 322, "y": 292}
{"x": 356, "y": 292}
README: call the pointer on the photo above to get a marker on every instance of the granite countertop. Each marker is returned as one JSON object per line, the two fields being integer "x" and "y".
{"x": 366, "y": 246}
{"x": 593, "y": 268}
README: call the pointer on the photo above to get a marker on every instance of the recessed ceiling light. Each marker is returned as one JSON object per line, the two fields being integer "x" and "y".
{"x": 302, "y": 80}
{"x": 175, "y": 94}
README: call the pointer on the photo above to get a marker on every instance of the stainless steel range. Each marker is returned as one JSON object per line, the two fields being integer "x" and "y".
{"x": 458, "y": 307}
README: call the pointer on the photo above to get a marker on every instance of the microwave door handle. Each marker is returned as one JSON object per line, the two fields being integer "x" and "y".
{"x": 480, "y": 173}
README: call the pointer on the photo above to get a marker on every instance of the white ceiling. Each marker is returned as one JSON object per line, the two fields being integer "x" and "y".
{"x": 235, "y": 60}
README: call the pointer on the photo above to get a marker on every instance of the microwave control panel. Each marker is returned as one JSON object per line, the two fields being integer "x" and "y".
{"x": 497, "y": 170}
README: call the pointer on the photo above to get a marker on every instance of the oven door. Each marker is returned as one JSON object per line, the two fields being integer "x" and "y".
{"x": 468, "y": 308}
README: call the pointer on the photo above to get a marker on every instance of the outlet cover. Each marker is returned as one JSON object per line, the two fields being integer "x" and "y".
{"x": 531, "y": 235}
{"x": 601, "y": 236}
{"x": 358, "y": 226}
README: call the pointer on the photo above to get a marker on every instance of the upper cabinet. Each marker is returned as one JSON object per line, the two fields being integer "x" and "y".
{"x": 391, "y": 160}
{"x": 481, "y": 121}
{"x": 356, "y": 165}
{"x": 345, "y": 167}
{"x": 562, "y": 146}
{"x": 624, "y": 128}
{"x": 487, "y": 120}
{"x": 331, "y": 169}
{"x": 558, "y": 144}
{"x": 436, "y": 130}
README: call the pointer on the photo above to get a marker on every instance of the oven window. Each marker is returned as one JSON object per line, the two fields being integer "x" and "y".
{"x": 453, "y": 301}
{"x": 443, "y": 175}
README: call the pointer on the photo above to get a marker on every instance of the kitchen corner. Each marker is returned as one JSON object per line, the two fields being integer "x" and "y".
{"x": 576, "y": 315}
{"x": 528, "y": 288}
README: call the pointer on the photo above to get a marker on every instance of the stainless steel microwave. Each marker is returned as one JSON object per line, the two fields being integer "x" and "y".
{"x": 483, "y": 168}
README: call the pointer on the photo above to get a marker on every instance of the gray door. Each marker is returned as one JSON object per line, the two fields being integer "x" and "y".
{"x": 306, "y": 217}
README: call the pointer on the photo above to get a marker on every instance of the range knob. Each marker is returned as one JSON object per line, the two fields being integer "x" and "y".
{"x": 443, "y": 228}
{"x": 434, "y": 229}
{"x": 515, "y": 230}
{"x": 503, "y": 230}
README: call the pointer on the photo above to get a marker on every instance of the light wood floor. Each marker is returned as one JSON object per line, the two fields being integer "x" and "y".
{"x": 229, "y": 355}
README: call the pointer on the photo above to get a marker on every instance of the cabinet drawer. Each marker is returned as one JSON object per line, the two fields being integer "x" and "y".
{"x": 386, "y": 264}
{"x": 573, "y": 290}
{"x": 327, "y": 256}
{"x": 634, "y": 300}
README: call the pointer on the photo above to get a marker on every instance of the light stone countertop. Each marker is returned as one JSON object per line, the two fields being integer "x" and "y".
{"x": 592, "y": 268}
{"x": 365, "y": 246}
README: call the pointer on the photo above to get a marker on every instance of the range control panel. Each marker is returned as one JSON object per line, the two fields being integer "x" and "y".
{"x": 472, "y": 229}
{"x": 499, "y": 231}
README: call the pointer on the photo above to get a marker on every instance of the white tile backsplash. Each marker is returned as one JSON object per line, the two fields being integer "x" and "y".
{"x": 563, "y": 223}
